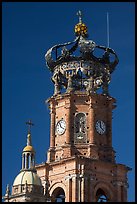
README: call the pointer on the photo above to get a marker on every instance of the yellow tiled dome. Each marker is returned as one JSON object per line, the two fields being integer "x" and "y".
{"x": 27, "y": 176}
{"x": 28, "y": 148}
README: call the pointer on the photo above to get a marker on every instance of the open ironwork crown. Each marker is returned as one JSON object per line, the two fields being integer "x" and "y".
{"x": 76, "y": 65}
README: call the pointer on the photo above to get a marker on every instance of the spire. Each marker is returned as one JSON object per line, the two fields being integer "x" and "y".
{"x": 29, "y": 140}
{"x": 28, "y": 154}
{"x": 7, "y": 190}
{"x": 79, "y": 13}
{"x": 29, "y": 123}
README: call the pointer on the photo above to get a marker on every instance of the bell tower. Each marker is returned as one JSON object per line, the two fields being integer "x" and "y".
{"x": 81, "y": 165}
{"x": 81, "y": 124}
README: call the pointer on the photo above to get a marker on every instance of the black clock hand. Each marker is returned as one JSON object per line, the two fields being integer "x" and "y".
{"x": 61, "y": 126}
{"x": 101, "y": 126}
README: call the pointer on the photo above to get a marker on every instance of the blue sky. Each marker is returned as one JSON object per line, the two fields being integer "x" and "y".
{"x": 28, "y": 31}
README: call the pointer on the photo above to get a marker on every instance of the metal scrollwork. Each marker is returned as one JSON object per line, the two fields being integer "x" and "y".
{"x": 75, "y": 66}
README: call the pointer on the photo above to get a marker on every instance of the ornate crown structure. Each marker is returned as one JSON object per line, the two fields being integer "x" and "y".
{"x": 75, "y": 65}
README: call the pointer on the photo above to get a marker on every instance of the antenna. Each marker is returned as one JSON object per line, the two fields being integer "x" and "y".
{"x": 107, "y": 29}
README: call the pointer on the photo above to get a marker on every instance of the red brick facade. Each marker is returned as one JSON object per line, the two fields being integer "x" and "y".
{"x": 83, "y": 171}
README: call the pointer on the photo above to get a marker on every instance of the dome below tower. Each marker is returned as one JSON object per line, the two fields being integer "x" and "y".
{"x": 27, "y": 185}
{"x": 29, "y": 177}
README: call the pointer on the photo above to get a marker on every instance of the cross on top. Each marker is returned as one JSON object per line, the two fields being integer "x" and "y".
{"x": 79, "y": 14}
{"x": 29, "y": 123}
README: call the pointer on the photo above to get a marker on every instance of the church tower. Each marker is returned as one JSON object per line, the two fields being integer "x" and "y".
{"x": 81, "y": 165}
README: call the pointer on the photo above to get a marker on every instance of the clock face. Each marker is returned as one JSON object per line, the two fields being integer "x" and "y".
{"x": 61, "y": 127}
{"x": 100, "y": 127}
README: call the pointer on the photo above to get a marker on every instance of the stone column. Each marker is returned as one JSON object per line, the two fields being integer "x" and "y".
{"x": 68, "y": 189}
{"x": 68, "y": 120}
{"x": 26, "y": 161}
{"x": 91, "y": 124}
{"x": 74, "y": 189}
{"x": 125, "y": 192}
{"x": 119, "y": 198}
{"x": 82, "y": 188}
{"x": 109, "y": 135}
{"x": 82, "y": 180}
{"x": 32, "y": 161}
{"x": 91, "y": 194}
{"x": 109, "y": 122}
{"x": 22, "y": 161}
{"x": 88, "y": 189}
{"x": 52, "y": 125}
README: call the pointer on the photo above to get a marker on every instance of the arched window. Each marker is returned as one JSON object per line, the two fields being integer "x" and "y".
{"x": 59, "y": 195}
{"x": 32, "y": 161}
{"x": 23, "y": 161}
{"x": 28, "y": 160}
{"x": 80, "y": 128}
{"x": 101, "y": 196}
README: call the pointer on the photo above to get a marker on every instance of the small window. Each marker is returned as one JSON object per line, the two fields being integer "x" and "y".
{"x": 101, "y": 196}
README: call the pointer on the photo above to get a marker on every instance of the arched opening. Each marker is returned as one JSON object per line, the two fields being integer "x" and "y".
{"x": 32, "y": 163}
{"x": 101, "y": 196}
{"x": 80, "y": 128}
{"x": 58, "y": 195}
{"x": 23, "y": 161}
{"x": 28, "y": 161}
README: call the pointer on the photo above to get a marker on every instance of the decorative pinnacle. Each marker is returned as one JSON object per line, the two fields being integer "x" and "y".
{"x": 29, "y": 123}
{"x": 7, "y": 190}
{"x": 79, "y": 14}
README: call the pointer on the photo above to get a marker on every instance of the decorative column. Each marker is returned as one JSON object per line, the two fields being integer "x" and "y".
{"x": 68, "y": 119}
{"x": 109, "y": 119}
{"x": 26, "y": 164}
{"x": 82, "y": 182}
{"x": 22, "y": 161}
{"x": 91, "y": 123}
{"x": 88, "y": 189}
{"x": 121, "y": 191}
{"x": 91, "y": 190}
{"x": 52, "y": 125}
{"x": 79, "y": 182}
{"x": 74, "y": 188}
{"x": 68, "y": 180}
{"x": 125, "y": 186}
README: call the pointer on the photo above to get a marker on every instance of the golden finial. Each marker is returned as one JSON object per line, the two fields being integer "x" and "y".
{"x": 80, "y": 28}
{"x": 29, "y": 142}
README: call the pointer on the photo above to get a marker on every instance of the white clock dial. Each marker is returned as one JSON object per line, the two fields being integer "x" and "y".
{"x": 100, "y": 127}
{"x": 61, "y": 127}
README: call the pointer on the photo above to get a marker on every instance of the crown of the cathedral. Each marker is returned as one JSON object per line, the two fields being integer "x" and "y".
{"x": 75, "y": 65}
